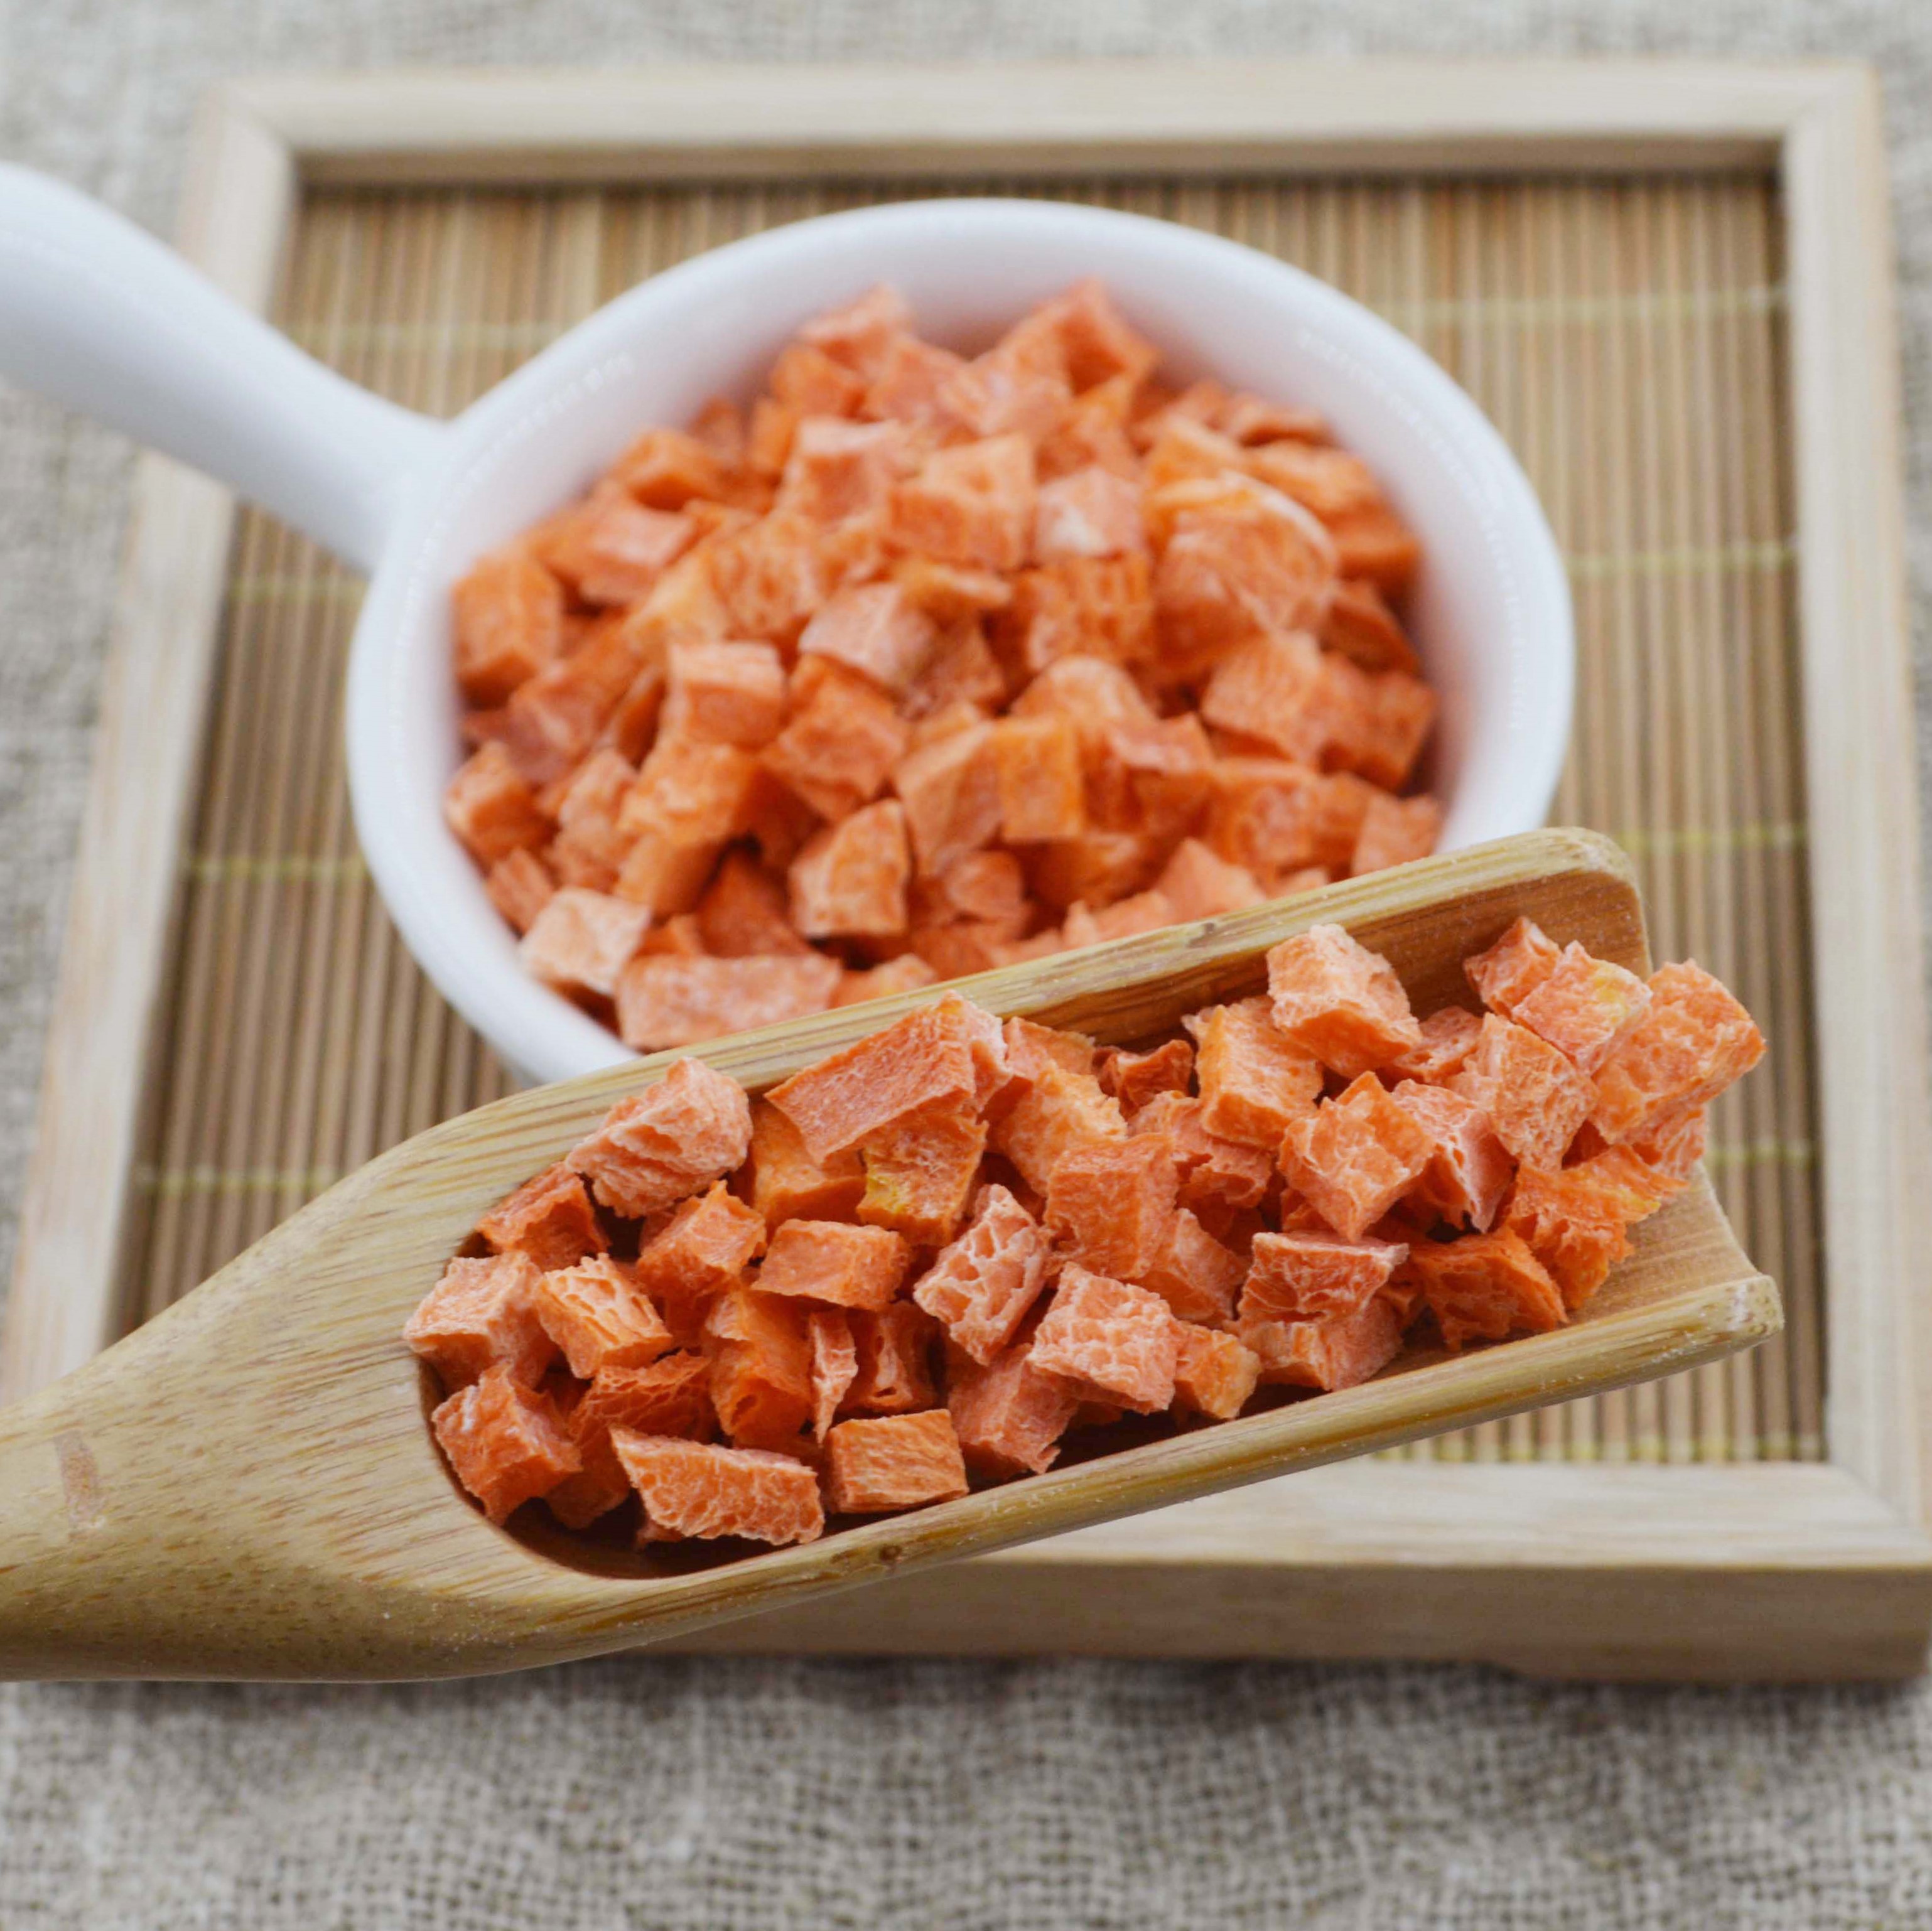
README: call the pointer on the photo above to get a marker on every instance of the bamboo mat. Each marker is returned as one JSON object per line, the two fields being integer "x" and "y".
{"x": 1626, "y": 338}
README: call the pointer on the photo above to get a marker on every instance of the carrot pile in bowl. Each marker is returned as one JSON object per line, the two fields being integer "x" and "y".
{"x": 931, "y": 664}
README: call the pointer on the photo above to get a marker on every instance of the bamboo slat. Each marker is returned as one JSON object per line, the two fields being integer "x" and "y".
{"x": 1627, "y": 337}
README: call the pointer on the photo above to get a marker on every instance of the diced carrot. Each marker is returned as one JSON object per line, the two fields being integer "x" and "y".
{"x": 1200, "y": 884}
{"x": 581, "y": 940}
{"x": 549, "y": 1218}
{"x": 598, "y": 1316}
{"x": 1213, "y": 1172}
{"x": 907, "y": 973}
{"x": 520, "y": 885}
{"x": 744, "y": 914}
{"x": 874, "y": 629}
{"x": 1061, "y": 1111}
{"x": 1354, "y": 1156}
{"x": 509, "y": 624}
{"x": 840, "y": 746}
{"x": 1486, "y": 1287}
{"x": 732, "y": 693}
{"x": 1194, "y": 1273}
{"x": 1694, "y": 1041}
{"x": 1360, "y": 626}
{"x": 761, "y": 1353}
{"x": 983, "y": 1282}
{"x": 1092, "y": 512}
{"x": 1340, "y": 1351}
{"x": 835, "y": 1262}
{"x": 482, "y": 1314}
{"x": 505, "y": 1441}
{"x": 1109, "y": 1335}
{"x": 1394, "y": 830}
{"x": 1314, "y": 1277}
{"x": 920, "y": 1171}
{"x": 692, "y": 1127}
{"x": 1513, "y": 968}
{"x": 1469, "y": 1169}
{"x": 664, "y": 1001}
{"x": 835, "y": 1365}
{"x": 1572, "y": 1225}
{"x": 836, "y": 468}
{"x": 787, "y": 1183}
{"x": 704, "y": 1249}
{"x": 1255, "y": 1078}
{"x": 1274, "y": 818}
{"x": 1134, "y": 1078}
{"x": 1110, "y": 1205}
{"x": 950, "y": 789}
{"x": 491, "y": 808}
{"x": 972, "y": 504}
{"x": 850, "y": 880}
{"x": 696, "y": 1488}
{"x": 894, "y": 1346}
{"x": 1449, "y": 1036}
{"x": 894, "y": 1461}
{"x": 664, "y": 468}
{"x": 1214, "y": 1373}
{"x": 1339, "y": 1001}
{"x": 1009, "y": 1415}
{"x": 671, "y": 1396}
{"x": 610, "y": 549}
{"x": 1275, "y": 688}
{"x": 1535, "y": 1098}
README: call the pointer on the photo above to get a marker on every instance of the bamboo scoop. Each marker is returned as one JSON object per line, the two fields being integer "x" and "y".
{"x": 247, "y": 1487}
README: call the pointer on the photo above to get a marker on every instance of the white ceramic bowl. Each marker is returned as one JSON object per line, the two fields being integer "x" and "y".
{"x": 419, "y": 502}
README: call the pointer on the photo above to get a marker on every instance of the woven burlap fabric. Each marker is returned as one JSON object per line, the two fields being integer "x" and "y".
{"x": 726, "y": 1794}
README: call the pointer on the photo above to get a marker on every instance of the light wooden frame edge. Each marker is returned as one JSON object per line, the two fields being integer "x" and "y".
{"x": 1752, "y": 1560}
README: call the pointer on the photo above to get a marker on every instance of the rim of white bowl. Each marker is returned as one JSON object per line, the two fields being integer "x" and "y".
{"x": 427, "y": 881}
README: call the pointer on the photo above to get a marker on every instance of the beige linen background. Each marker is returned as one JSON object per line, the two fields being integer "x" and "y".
{"x": 722, "y": 1795}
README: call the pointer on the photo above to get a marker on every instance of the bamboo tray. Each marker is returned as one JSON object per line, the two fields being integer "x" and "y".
{"x": 1669, "y": 285}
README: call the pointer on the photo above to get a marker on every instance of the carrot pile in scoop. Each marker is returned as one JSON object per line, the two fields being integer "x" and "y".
{"x": 924, "y": 1262}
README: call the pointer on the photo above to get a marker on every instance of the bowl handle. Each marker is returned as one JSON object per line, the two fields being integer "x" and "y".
{"x": 96, "y": 313}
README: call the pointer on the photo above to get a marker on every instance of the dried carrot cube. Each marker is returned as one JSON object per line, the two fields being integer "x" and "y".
{"x": 665, "y": 876}
{"x": 1082, "y": 606}
{"x": 1324, "y": 479}
{"x": 1672, "y": 1147}
{"x": 836, "y": 468}
{"x": 788, "y": 1184}
{"x": 1096, "y": 342}
{"x": 1572, "y": 1225}
{"x": 1375, "y": 544}
{"x": 664, "y": 468}
{"x": 506, "y": 1442}
{"x": 1448, "y": 1038}
{"x": 849, "y": 881}
{"x": 1361, "y": 627}
{"x": 1061, "y": 1111}
{"x": 1236, "y": 563}
{"x": 610, "y": 549}
{"x": 908, "y": 383}
{"x": 1093, "y": 694}
{"x": 581, "y": 940}
{"x": 1092, "y": 433}
{"x": 1583, "y": 1006}
{"x": 1093, "y": 869}
{"x": 721, "y": 428}
{"x": 920, "y": 1171}
{"x": 835, "y": 1262}
{"x": 973, "y": 504}
{"x": 704, "y": 1247}
{"x": 1314, "y": 1276}
{"x": 1154, "y": 778}
{"x": 896, "y": 1462}
{"x": 1092, "y": 512}
{"x": 1042, "y": 791}
{"x": 1339, "y": 1001}
{"x": 1214, "y": 1172}
{"x": 1199, "y": 883}
{"x": 907, "y": 973}
{"x": 1514, "y": 967}
{"x": 1134, "y": 1078}
{"x": 1182, "y": 448}
{"x": 961, "y": 679}
{"x": 1008, "y": 1415}
{"x": 671, "y": 1396}
{"x": 1340, "y": 1351}
{"x": 924, "y": 1059}
{"x": 692, "y": 1127}
{"x": 665, "y": 1002}
{"x": 549, "y": 1218}
{"x": 771, "y": 575}
{"x": 1486, "y": 1287}
{"x": 744, "y": 914}
{"x": 1382, "y": 720}
{"x": 520, "y": 886}
{"x": 1469, "y": 1169}
{"x": 1019, "y": 386}
{"x": 1275, "y": 688}
{"x": 595, "y": 1314}
{"x": 835, "y": 1365}
{"x": 805, "y": 379}
{"x": 1194, "y": 1273}
{"x": 691, "y": 791}
{"x": 1535, "y": 1099}
{"x": 731, "y": 693}
{"x": 1031, "y": 1048}
{"x": 894, "y": 1346}
{"x": 950, "y": 789}
{"x": 1395, "y": 831}
{"x": 839, "y": 746}
{"x": 760, "y": 1349}
{"x": 632, "y": 726}
{"x": 1354, "y": 1156}
{"x": 696, "y": 1488}
{"x": 1693, "y": 1042}
{"x": 768, "y": 437}
{"x": 983, "y": 1282}
{"x": 509, "y": 624}
{"x": 1111, "y": 1336}
{"x": 858, "y": 333}
{"x": 987, "y": 885}
{"x": 1214, "y": 1373}
{"x": 874, "y": 629}
{"x": 482, "y": 1314}
{"x": 1275, "y": 818}
{"x": 1110, "y": 1206}
{"x": 490, "y": 807}
{"x": 1254, "y": 1079}
{"x": 677, "y": 938}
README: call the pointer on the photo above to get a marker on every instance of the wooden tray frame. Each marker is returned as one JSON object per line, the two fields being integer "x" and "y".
{"x": 1756, "y": 1570}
